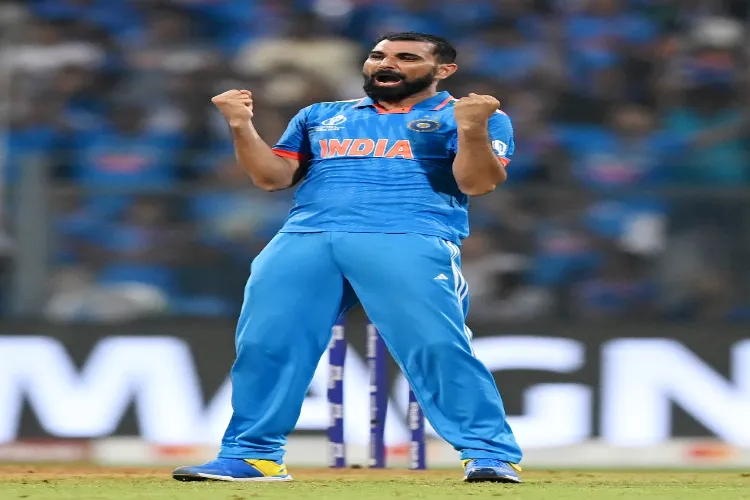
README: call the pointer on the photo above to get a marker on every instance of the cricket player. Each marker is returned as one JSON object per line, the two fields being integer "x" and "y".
{"x": 379, "y": 217}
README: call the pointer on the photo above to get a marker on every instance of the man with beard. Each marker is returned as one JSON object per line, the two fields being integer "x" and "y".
{"x": 378, "y": 218}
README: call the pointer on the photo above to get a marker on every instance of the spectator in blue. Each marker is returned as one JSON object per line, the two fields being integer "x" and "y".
{"x": 142, "y": 246}
{"x": 234, "y": 23}
{"x": 405, "y": 15}
{"x": 564, "y": 250}
{"x": 166, "y": 47}
{"x": 630, "y": 155}
{"x": 74, "y": 225}
{"x": 119, "y": 18}
{"x": 714, "y": 113}
{"x": 604, "y": 35}
{"x": 237, "y": 220}
{"x": 465, "y": 16}
{"x": 539, "y": 157}
{"x": 621, "y": 290}
{"x": 80, "y": 89}
{"x": 720, "y": 158}
{"x": 232, "y": 222}
{"x": 125, "y": 154}
{"x": 503, "y": 52}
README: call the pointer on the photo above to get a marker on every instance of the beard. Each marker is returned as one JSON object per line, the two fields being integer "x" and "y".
{"x": 398, "y": 92}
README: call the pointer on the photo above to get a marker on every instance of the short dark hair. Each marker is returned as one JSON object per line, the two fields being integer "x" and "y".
{"x": 443, "y": 50}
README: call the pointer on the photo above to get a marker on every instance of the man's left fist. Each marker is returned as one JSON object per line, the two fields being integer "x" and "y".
{"x": 474, "y": 110}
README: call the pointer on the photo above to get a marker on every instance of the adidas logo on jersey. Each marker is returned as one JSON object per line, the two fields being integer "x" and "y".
{"x": 441, "y": 277}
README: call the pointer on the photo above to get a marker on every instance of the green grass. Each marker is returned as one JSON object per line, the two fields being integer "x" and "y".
{"x": 82, "y": 483}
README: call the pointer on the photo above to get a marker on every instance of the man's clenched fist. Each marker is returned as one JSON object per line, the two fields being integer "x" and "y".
{"x": 236, "y": 106}
{"x": 474, "y": 110}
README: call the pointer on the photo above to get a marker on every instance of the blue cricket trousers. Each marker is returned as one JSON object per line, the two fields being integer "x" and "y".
{"x": 302, "y": 282}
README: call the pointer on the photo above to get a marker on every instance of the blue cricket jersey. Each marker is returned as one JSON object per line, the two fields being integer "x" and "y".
{"x": 378, "y": 171}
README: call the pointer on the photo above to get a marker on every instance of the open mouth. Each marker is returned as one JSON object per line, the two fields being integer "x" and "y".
{"x": 387, "y": 80}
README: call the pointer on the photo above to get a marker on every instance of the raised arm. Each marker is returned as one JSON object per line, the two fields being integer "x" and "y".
{"x": 479, "y": 166}
{"x": 268, "y": 170}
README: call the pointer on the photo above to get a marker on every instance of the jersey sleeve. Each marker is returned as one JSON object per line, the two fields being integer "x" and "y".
{"x": 295, "y": 143}
{"x": 500, "y": 132}
{"x": 501, "y": 136}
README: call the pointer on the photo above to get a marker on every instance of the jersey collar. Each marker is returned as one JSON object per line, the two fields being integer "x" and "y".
{"x": 434, "y": 103}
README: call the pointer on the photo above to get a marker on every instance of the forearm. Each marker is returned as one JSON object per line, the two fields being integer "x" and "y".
{"x": 476, "y": 168}
{"x": 267, "y": 170}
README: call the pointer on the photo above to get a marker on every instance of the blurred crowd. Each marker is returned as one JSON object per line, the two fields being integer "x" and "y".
{"x": 625, "y": 198}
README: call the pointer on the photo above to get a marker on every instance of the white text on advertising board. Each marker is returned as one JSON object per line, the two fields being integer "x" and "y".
{"x": 640, "y": 382}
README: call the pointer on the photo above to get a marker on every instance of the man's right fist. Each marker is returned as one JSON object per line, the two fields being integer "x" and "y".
{"x": 236, "y": 106}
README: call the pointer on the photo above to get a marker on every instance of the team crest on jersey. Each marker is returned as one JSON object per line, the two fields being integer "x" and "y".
{"x": 424, "y": 125}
